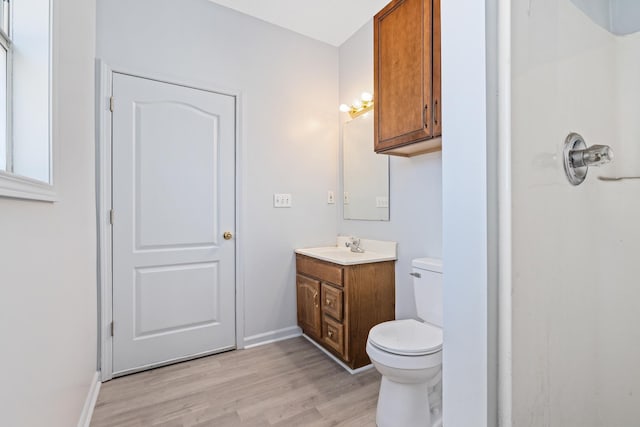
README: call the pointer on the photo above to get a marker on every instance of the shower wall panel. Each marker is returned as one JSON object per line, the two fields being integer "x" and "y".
{"x": 576, "y": 250}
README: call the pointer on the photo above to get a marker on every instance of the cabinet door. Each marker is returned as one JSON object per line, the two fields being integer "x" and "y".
{"x": 436, "y": 71}
{"x": 403, "y": 73}
{"x": 308, "y": 294}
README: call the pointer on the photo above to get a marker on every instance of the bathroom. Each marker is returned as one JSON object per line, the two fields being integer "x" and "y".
{"x": 531, "y": 293}
{"x": 293, "y": 149}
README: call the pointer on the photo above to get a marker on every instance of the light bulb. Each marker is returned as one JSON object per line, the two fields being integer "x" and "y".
{"x": 366, "y": 97}
{"x": 357, "y": 104}
{"x": 344, "y": 108}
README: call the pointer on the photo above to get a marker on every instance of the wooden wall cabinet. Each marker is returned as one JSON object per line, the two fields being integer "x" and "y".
{"x": 407, "y": 94}
{"x": 339, "y": 304}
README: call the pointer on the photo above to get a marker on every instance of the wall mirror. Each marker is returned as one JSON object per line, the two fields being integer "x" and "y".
{"x": 365, "y": 174}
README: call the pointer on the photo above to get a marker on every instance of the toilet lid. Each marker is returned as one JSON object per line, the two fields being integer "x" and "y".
{"x": 406, "y": 337}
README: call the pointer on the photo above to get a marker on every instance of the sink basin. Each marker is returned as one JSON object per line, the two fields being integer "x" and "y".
{"x": 379, "y": 251}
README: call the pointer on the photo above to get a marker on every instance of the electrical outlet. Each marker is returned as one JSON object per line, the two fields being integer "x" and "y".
{"x": 331, "y": 199}
{"x": 282, "y": 200}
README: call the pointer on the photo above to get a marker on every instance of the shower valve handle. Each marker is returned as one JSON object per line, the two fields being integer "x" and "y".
{"x": 595, "y": 155}
{"x": 578, "y": 157}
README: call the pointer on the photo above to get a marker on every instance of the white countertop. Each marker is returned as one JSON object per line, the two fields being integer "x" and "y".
{"x": 374, "y": 251}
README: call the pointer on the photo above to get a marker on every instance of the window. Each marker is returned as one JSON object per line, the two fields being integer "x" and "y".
{"x": 25, "y": 76}
{"x": 5, "y": 49}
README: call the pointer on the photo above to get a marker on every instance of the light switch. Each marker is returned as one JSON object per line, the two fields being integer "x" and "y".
{"x": 282, "y": 200}
{"x": 345, "y": 199}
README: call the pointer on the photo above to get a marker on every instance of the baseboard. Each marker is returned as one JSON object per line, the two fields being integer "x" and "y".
{"x": 338, "y": 361}
{"x": 272, "y": 336}
{"x": 90, "y": 402}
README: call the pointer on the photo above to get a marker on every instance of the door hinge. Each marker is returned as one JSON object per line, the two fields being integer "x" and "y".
{"x": 111, "y": 216}
{"x": 111, "y": 328}
{"x": 111, "y": 104}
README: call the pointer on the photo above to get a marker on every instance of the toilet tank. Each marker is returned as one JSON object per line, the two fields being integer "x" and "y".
{"x": 427, "y": 286}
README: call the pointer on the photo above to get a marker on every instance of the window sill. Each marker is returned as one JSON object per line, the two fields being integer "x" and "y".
{"x": 20, "y": 187}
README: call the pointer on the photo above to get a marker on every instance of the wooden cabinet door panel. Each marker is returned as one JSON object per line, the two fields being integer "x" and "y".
{"x": 402, "y": 72}
{"x": 308, "y": 296}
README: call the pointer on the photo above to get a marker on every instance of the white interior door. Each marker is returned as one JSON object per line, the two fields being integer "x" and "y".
{"x": 173, "y": 199}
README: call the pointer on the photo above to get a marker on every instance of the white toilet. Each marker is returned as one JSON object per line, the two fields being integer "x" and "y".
{"x": 408, "y": 354}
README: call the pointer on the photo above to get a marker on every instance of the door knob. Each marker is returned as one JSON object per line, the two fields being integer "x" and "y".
{"x": 227, "y": 235}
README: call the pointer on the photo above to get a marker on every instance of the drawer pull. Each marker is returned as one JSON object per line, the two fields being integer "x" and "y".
{"x": 315, "y": 299}
{"x": 426, "y": 122}
{"x": 418, "y": 275}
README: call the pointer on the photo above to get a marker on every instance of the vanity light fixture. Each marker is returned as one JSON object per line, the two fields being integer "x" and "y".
{"x": 359, "y": 106}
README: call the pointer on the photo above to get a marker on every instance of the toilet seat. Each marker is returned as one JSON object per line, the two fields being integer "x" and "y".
{"x": 396, "y": 361}
{"x": 406, "y": 337}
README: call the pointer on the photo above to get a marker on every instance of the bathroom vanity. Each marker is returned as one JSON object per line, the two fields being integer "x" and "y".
{"x": 341, "y": 295}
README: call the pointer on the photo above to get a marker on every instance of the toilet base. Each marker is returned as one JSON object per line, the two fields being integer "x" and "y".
{"x": 403, "y": 404}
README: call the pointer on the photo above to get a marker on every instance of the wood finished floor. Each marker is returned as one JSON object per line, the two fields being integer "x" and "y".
{"x": 288, "y": 383}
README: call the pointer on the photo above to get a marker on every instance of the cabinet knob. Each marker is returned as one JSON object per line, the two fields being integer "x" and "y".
{"x": 327, "y": 301}
{"x": 330, "y": 333}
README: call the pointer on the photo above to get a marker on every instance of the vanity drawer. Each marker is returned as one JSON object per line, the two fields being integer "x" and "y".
{"x": 332, "y": 301}
{"x": 322, "y": 270}
{"x": 333, "y": 334}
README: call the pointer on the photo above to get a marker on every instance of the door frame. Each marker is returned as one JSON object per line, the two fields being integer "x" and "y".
{"x": 104, "y": 90}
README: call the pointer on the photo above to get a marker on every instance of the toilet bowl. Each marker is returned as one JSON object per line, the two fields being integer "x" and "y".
{"x": 408, "y": 355}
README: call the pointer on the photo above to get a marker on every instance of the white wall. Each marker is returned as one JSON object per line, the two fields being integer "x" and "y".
{"x": 415, "y": 192}
{"x": 616, "y": 253}
{"x": 575, "y": 290}
{"x": 48, "y": 256}
{"x": 288, "y": 123}
{"x": 468, "y": 61}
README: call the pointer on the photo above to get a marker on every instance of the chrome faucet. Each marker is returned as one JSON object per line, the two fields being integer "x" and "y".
{"x": 354, "y": 244}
